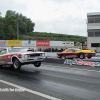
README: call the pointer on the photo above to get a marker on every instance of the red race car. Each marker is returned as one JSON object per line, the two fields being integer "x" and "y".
{"x": 76, "y": 53}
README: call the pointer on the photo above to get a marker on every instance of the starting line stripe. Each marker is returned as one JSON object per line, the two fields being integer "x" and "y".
{"x": 30, "y": 91}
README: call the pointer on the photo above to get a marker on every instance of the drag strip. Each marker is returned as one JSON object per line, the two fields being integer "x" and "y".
{"x": 65, "y": 82}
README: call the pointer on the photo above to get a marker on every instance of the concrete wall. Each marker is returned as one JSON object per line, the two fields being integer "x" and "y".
{"x": 93, "y": 40}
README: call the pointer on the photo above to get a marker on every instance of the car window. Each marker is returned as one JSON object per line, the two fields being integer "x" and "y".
{"x": 77, "y": 49}
{"x": 11, "y": 50}
{"x": 70, "y": 50}
{"x": 3, "y": 52}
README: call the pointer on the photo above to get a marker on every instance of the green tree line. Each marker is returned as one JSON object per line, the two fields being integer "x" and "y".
{"x": 8, "y": 29}
{"x": 52, "y": 37}
{"x": 8, "y": 25}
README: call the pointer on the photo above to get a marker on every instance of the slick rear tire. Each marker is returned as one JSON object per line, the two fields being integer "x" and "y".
{"x": 89, "y": 57}
{"x": 16, "y": 64}
{"x": 37, "y": 63}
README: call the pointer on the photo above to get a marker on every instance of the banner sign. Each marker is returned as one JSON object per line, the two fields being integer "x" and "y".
{"x": 29, "y": 43}
{"x": 80, "y": 62}
{"x": 55, "y": 43}
{"x": 3, "y": 42}
{"x": 14, "y": 42}
{"x": 42, "y": 43}
{"x": 68, "y": 43}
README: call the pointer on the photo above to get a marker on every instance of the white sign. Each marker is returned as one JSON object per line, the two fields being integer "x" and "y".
{"x": 28, "y": 43}
{"x": 68, "y": 43}
{"x": 55, "y": 43}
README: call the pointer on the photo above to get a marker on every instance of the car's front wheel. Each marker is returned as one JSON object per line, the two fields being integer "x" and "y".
{"x": 81, "y": 56}
{"x": 16, "y": 64}
{"x": 37, "y": 63}
{"x": 63, "y": 57}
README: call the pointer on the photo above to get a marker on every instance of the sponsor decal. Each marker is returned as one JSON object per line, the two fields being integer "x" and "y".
{"x": 3, "y": 60}
{"x": 42, "y": 43}
{"x": 80, "y": 62}
{"x": 14, "y": 42}
{"x": 2, "y": 42}
{"x": 67, "y": 43}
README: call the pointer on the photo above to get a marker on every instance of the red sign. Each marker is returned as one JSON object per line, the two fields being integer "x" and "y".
{"x": 42, "y": 43}
{"x": 2, "y": 42}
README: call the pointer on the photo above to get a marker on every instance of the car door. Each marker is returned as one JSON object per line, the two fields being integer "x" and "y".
{"x": 70, "y": 53}
{"x": 3, "y": 57}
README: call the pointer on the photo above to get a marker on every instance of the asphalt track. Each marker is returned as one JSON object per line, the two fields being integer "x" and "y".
{"x": 52, "y": 81}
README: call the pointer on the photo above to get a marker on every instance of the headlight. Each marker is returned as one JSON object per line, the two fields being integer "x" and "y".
{"x": 26, "y": 56}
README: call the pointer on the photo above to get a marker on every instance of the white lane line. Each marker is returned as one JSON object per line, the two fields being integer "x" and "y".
{"x": 83, "y": 69}
{"x": 98, "y": 71}
{"x": 48, "y": 65}
{"x": 66, "y": 67}
{"x": 57, "y": 66}
{"x": 30, "y": 91}
{"x": 92, "y": 70}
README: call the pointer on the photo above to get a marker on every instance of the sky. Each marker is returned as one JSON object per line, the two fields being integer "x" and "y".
{"x": 55, "y": 16}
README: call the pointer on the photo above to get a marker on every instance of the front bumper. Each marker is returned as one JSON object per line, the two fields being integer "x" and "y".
{"x": 32, "y": 59}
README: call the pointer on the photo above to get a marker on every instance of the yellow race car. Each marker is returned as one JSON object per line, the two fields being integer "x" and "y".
{"x": 76, "y": 53}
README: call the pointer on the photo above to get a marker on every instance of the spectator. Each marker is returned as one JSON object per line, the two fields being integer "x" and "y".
{"x": 61, "y": 49}
{"x": 56, "y": 49}
{"x": 52, "y": 49}
{"x": 40, "y": 49}
{"x": 33, "y": 50}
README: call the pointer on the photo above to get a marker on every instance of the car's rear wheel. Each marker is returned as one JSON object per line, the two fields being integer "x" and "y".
{"x": 89, "y": 57}
{"x": 81, "y": 56}
{"x": 37, "y": 63}
{"x": 63, "y": 57}
{"x": 16, "y": 64}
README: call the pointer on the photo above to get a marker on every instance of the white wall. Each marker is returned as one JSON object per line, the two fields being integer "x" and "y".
{"x": 93, "y": 40}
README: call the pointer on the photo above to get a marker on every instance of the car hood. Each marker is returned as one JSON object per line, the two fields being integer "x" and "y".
{"x": 29, "y": 52}
{"x": 26, "y": 52}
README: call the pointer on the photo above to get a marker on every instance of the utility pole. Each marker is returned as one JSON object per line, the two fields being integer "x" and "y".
{"x": 82, "y": 43}
{"x": 17, "y": 31}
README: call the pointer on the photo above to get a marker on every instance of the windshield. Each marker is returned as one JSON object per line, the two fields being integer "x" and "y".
{"x": 77, "y": 49}
{"x": 14, "y": 50}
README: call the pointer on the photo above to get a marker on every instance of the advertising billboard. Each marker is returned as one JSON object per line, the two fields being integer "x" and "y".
{"x": 3, "y": 42}
{"x": 56, "y": 43}
{"x": 42, "y": 43}
{"x": 14, "y": 42}
{"x": 68, "y": 43}
{"x": 28, "y": 43}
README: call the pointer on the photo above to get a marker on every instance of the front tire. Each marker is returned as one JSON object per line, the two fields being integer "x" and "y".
{"x": 37, "y": 63}
{"x": 63, "y": 57}
{"x": 16, "y": 64}
{"x": 81, "y": 56}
